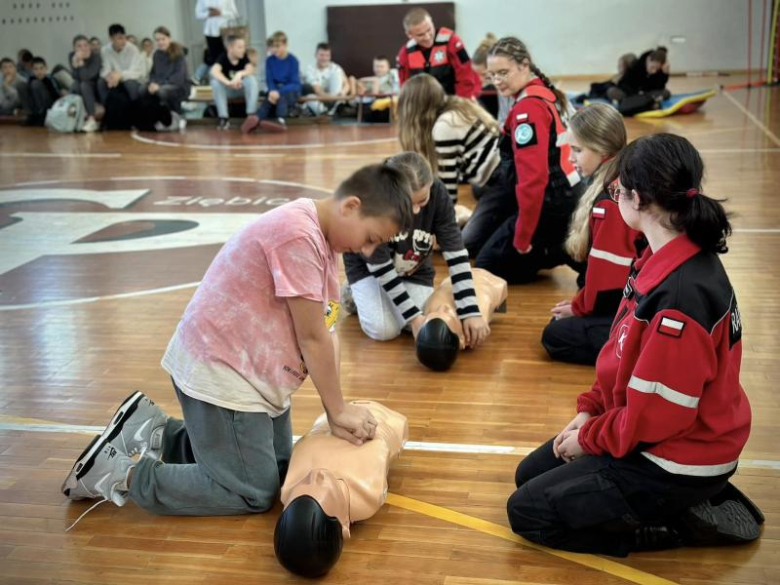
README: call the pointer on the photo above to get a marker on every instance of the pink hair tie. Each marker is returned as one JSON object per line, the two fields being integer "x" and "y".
{"x": 692, "y": 192}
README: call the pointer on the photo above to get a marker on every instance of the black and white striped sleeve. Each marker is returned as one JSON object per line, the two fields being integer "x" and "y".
{"x": 393, "y": 285}
{"x": 462, "y": 283}
{"x": 448, "y": 134}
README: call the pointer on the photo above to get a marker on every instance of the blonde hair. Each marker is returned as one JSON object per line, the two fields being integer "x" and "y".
{"x": 414, "y": 17}
{"x": 516, "y": 50}
{"x": 421, "y": 102}
{"x": 600, "y": 128}
{"x": 480, "y": 55}
{"x": 414, "y": 166}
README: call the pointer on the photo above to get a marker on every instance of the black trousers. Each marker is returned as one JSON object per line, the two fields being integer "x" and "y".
{"x": 595, "y": 503}
{"x": 497, "y": 201}
{"x": 576, "y": 340}
{"x": 215, "y": 47}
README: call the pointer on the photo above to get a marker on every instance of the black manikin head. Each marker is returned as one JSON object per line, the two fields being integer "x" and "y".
{"x": 307, "y": 541}
{"x": 437, "y": 346}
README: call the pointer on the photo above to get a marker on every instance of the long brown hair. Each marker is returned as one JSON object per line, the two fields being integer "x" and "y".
{"x": 175, "y": 50}
{"x": 515, "y": 49}
{"x": 421, "y": 102}
{"x": 600, "y": 128}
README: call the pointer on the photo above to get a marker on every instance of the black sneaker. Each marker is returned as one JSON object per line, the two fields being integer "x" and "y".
{"x": 224, "y": 124}
{"x": 731, "y": 492}
{"x": 648, "y": 538}
{"x": 727, "y": 523}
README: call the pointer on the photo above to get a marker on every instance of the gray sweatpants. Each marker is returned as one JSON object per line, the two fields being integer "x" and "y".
{"x": 215, "y": 462}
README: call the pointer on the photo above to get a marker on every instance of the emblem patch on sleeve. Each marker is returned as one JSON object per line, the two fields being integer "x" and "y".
{"x": 525, "y": 134}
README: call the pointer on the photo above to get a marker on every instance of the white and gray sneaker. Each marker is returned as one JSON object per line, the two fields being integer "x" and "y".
{"x": 99, "y": 473}
{"x": 137, "y": 427}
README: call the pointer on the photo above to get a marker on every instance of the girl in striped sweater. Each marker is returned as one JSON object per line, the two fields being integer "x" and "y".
{"x": 458, "y": 137}
{"x": 598, "y": 236}
{"x": 391, "y": 287}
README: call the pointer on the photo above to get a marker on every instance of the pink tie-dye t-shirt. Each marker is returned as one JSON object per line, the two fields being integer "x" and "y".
{"x": 235, "y": 346}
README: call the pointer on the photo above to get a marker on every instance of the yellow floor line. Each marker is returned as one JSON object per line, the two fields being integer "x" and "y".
{"x": 594, "y": 562}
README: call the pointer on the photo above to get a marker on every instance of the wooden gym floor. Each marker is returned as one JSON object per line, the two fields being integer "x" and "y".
{"x": 102, "y": 240}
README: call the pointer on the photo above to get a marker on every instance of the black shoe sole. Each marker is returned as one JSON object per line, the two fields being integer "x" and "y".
{"x": 728, "y": 523}
{"x": 85, "y": 461}
{"x": 732, "y": 492}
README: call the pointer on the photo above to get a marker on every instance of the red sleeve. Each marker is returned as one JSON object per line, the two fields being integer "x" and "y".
{"x": 676, "y": 360}
{"x": 591, "y": 401}
{"x": 402, "y": 63}
{"x": 611, "y": 251}
{"x": 531, "y": 154}
{"x": 467, "y": 82}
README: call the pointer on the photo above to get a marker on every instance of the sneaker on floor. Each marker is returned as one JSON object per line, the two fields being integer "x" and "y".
{"x": 251, "y": 122}
{"x": 99, "y": 472}
{"x": 276, "y": 125}
{"x": 224, "y": 124}
{"x": 137, "y": 427}
{"x": 91, "y": 125}
{"x": 347, "y": 301}
{"x": 653, "y": 538}
{"x": 727, "y": 523}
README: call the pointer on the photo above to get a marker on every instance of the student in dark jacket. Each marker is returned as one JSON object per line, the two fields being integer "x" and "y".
{"x": 646, "y": 462}
{"x": 390, "y": 288}
{"x": 649, "y": 74}
{"x": 169, "y": 78}
{"x": 44, "y": 91}
{"x": 598, "y": 236}
{"x": 85, "y": 68}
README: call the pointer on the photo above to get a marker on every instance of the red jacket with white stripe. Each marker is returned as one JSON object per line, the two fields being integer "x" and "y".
{"x": 613, "y": 246}
{"x": 540, "y": 155}
{"x": 667, "y": 380}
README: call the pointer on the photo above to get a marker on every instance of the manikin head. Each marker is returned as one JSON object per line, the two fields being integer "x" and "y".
{"x": 438, "y": 341}
{"x": 310, "y": 532}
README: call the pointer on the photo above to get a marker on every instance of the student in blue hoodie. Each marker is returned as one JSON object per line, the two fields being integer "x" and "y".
{"x": 282, "y": 75}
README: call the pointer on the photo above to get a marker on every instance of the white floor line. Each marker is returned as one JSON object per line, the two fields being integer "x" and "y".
{"x": 737, "y": 150}
{"x": 410, "y": 445}
{"x": 757, "y": 231}
{"x": 60, "y": 155}
{"x": 145, "y": 140}
{"x": 70, "y": 302}
{"x": 772, "y": 136}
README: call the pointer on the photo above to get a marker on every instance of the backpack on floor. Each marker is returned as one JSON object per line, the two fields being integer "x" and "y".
{"x": 67, "y": 114}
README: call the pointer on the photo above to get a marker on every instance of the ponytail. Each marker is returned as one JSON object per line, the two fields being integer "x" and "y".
{"x": 666, "y": 171}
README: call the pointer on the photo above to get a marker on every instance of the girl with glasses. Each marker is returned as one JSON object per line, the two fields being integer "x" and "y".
{"x": 530, "y": 236}
{"x": 645, "y": 464}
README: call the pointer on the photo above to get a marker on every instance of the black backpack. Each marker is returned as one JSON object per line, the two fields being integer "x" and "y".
{"x": 147, "y": 111}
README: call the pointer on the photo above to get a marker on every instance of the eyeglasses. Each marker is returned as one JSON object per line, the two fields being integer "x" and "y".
{"x": 500, "y": 75}
{"x": 616, "y": 192}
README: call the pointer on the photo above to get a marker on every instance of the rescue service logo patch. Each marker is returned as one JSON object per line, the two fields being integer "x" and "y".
{"x": 671, "y": 327}
{"x": 621, "y": 340}
{"x": 525, "y": 134}
{"x": 438, "y": 56}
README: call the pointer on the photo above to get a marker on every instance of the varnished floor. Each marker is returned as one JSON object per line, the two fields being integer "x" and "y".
{"x": 84, "y": 324}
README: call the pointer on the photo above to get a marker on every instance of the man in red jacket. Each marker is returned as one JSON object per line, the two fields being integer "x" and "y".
{"x": 437, "y": 52}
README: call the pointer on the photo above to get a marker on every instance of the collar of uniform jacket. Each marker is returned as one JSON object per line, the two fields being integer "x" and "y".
{"x": 654, "y": 268}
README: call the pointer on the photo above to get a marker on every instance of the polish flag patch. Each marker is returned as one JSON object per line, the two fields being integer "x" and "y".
{"x": 671, "y": 327}
{"x": 599, "y": 212}
{"x": 521, "y": 117}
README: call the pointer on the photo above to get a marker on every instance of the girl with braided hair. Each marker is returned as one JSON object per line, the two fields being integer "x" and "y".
{"x": 536, "y": 162}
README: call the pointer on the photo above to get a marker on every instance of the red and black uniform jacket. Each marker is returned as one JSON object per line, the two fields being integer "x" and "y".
{"x": 534, "y": 140}
{"x": 667, "y": 380}
{"x": 613, "y": 246}
{"x": 447, "y": 60}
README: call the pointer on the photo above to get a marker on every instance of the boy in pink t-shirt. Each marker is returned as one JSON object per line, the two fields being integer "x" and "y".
{"x": 261, "y": 320}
